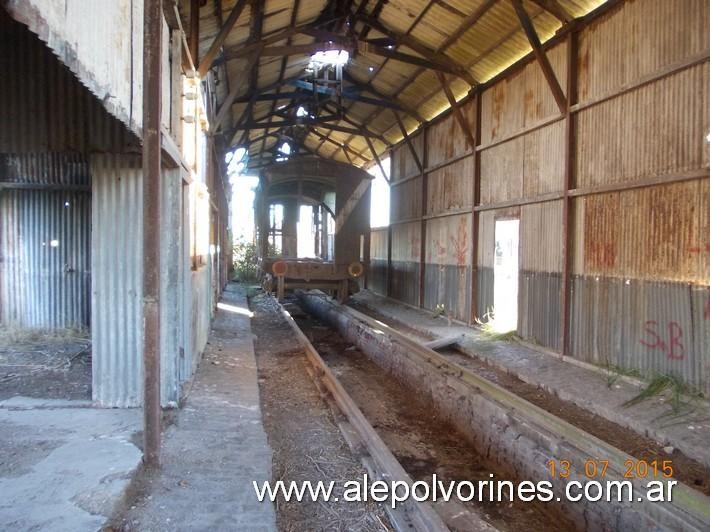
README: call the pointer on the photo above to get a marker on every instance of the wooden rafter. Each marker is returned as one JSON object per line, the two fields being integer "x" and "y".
{"x": 457, "y": 111}
{"x": 554, "y": 7}
{"x": 207, "y": 61}
{"x": 377, "y": 158}
{"x": 284, "y": 61}
{"x": 409, "y": 41}
{"x": 540, "y": 55}
{"x": 408, "y": 141}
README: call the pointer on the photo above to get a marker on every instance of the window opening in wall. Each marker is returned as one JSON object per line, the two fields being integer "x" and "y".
{"x": 505, "y": 276}
{"x": 306, "y": 232}
{"x": 380, "y": 195}
{"x": 276, "y": 218}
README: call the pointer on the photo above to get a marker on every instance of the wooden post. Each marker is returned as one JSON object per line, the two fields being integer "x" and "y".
{"x": 280, "y": 287}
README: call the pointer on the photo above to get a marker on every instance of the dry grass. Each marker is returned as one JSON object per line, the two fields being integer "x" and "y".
{"x": 14, "y": 336}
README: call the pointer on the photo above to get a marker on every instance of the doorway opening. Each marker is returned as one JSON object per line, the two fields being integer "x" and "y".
{"x": 505, "y": 276}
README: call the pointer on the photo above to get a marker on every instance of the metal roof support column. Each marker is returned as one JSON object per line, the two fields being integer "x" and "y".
{"x": 422, "y": 232}
{"x": 152, "y": 57}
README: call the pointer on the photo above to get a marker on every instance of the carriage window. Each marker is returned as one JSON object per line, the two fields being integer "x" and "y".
{"x": 276, "y": 219}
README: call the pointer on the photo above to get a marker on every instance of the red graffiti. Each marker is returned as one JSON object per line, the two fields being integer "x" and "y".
{"x": 460, "y": 244}
{"x": 697, "y": 249}
{"x": 672, "y": 346}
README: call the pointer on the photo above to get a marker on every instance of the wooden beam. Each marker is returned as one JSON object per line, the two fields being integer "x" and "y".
{"x": 554, "y": 7}
{"x": 351, "y": 203}
{"x": 366, "y": 86}
{"x": 225, "y": 109}
{"x": 420, "y": 48}
{"x": 457, "y": 111}
{"x": 540, "y": 54}
{"x": 377, "y": 159}
{"x": 224, "y": 31}
{"x": 194, "y": 30}
{"x": 344, "y": 147}
{"x": 408, "y": 141}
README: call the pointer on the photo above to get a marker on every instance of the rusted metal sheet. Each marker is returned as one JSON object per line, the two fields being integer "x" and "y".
{"x": 653, "y": 327}
{"x": 671, "y": 32}
{"x": 449, "y": 240}
{"x": 403, "y": 163}
{"x": 541, "y": 237}
{"x": 105, "y": 54}
{"x": 406, "y": 200}
{"x": 45, "y": 268}
{"x": 521, "y": 99}
{"x": 543, "y": 160}
{"x": 446, "y": 139}
{"x": 621, "y": 141}
{"x": 649, "y": 233}
{"x": 502, "y": 172}
{"x": 450, "y": 188}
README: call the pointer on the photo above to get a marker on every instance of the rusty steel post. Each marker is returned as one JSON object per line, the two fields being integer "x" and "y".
{"x": 152, "y": 41}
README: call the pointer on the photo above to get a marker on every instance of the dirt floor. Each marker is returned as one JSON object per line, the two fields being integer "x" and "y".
{"x": 306, "y": 441}
{"x": 46, "y": 366}
{"x": 422, "y": 443}
{"x": 686, "y": 470}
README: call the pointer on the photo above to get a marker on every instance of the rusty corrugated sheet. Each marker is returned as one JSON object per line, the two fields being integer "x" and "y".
{"x": 521, "y": 99}
{"x": 403, "y": 163}
{"x": 451, "y": 188}
{"x": 406, "y": 200}
{"x": 45, "y": 268}
{"x": 644, "y": 233}
{"x": 541, "y": 237}
{"x": 672, "y": 31}
{"x": 446, "y": 139}
{"x": 620, "y": 140}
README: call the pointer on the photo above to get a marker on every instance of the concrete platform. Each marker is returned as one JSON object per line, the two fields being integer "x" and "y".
{"x": 63, "y": 466}
{"x": 217, "y": 446}
{"x": 586, "y": 387}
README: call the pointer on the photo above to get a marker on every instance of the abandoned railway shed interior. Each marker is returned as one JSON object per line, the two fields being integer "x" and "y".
{"x": 449, "y": 258}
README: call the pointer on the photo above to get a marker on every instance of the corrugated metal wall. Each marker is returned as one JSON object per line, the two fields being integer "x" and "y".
{"x": 377, "y": 274}
{"x": 45, "y": 269}
{"x": 639, "y": 195}
{"x": 117, "y": 289}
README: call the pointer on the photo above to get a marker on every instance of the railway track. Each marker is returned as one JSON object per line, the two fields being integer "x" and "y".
{"x": 413, "y": 413}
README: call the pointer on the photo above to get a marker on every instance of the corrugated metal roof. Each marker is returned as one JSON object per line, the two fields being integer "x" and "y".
{"x": 490, "y": 44}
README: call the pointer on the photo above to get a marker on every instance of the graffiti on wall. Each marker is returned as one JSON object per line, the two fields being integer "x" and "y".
{"x": 668, "y": 339}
